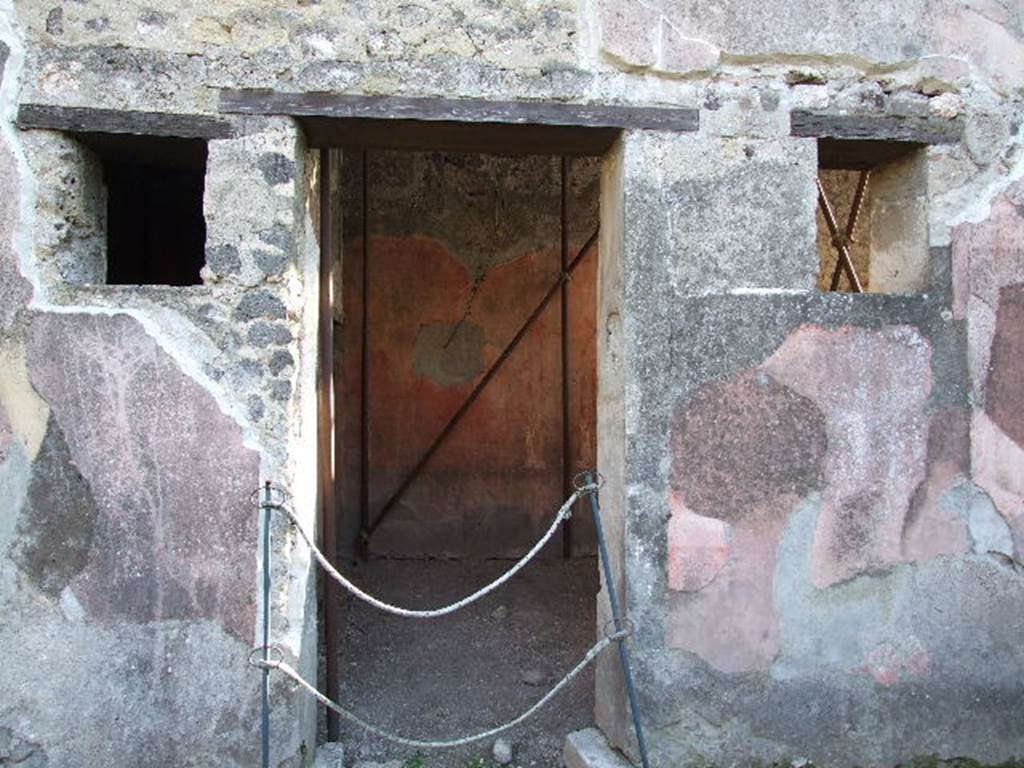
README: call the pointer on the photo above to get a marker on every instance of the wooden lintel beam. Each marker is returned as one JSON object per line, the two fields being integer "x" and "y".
{"x": 913, "y": 130}
{"x": 90, "y": 120}
{"x": 332, "y": 105}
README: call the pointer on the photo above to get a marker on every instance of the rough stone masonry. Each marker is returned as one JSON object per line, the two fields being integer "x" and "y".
{"x": 817, "y": 499}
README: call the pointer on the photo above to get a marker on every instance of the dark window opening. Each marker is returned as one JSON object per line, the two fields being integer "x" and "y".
{"x": 156, "y": 232}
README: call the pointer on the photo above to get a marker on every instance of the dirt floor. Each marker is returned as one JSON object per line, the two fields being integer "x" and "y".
{"x": 471, "y": 670}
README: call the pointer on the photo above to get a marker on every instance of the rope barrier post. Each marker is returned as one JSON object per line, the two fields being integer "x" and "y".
{"x": 618, "y": 618}
{"x": 266, "y": 506}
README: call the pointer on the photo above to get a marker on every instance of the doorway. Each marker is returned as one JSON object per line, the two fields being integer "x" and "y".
{"x": 465, "y": 402}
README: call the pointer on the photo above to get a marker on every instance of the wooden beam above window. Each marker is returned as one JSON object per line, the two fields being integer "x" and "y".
{"x": 90, "y": 120}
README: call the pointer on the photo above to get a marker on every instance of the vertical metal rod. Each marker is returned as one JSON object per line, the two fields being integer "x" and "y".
{"x": 325, "y": 393}
{"x": 619, "y": 619}
{"x": 265, "y": 724}
{"x": 364, "y": 378}
{"x": 567, "y": 468}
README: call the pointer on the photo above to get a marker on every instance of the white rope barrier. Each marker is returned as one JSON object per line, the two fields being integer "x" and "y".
{"x": 290, "y": 672}
{"x": 564, "y": 512}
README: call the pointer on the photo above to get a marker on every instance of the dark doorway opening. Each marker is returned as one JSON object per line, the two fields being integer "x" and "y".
{"x": 445, "y": 258}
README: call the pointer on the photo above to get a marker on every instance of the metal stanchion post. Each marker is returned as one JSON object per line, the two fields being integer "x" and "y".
{"x": 619, "y": 619}
{"x": 265, "y": 732}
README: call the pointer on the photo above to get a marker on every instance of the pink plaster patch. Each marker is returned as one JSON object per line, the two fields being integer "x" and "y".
{"x": 997, "y": 462}
{"x": 731, "y": 623}
{"x": 1004, "y": 389}
{"x": 698, "y": 548}
{"x": 745, "y": 451}
{"x": 989, "y": 43}
{"x": 931, "y": 529}
{"x": 872, "y": 387}
{"x": 987, "y": 257}
{"x": 889, "y": 665}
{"x": 175, "y": 532}
{"x": 629, "y": 31}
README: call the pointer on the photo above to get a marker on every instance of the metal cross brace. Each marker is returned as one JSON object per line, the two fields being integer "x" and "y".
{"x": 841, "y": 241}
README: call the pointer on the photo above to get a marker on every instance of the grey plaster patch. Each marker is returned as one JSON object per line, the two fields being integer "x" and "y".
{"x": 14, "y": 288}
{"x": 276, "y": 168}
{"x": 223, "y": 259}
{"x": 58, "y": 522}
{"x": 259, "y": 304}
{"x": 280, "y": 360}
{"x": 4, "y": 53}
{"x": 278, "y": 236}
{"x": 330, "y": 755}
{"x": 55, "y": 21}
{"x": 168, "y": 694}
{"x": 281, "y": 390}
{"x": 153, "y": 18}
{"x": 255, "y": 407}
{"x": 15, "y": 472}
{"x": 449, "y": 355}
{"x": 22, "y": 752}
{"x": 264, "y": 334}
{"x": 988, "y": 529}
{"x": 6, "y": 433}
{"x": 269, "y": 263}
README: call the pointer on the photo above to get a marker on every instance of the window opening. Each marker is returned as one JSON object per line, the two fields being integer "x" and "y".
{"x": 872, "y": 216}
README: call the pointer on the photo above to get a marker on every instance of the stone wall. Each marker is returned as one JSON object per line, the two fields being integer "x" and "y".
{"x": 462, "y": 249}
{"x": 137, "y": 421}
{"x": 813, "y": 498}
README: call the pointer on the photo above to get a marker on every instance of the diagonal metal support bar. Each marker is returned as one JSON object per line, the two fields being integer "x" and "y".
{"x": 477, "y": 390}
{"x": 840, "y": 240}
{"x": 851, "y": 223}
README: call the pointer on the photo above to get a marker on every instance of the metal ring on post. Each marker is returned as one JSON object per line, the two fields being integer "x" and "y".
{"x": 583, "y": 482}
{"x": 278, "y": 496}
{"x": 267, "y": 663}
{"x": 628, "y": 629}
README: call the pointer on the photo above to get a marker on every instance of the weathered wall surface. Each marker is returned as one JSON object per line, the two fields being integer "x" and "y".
{"x": 462, "y": 249}
{"x": 836, "y": 517}
{"x": 135, "y": 422}
{"x": 808, "y": 487}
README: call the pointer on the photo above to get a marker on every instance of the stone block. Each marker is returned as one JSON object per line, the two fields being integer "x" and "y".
{"x": 713, "y": 215}
{"x": 743, "y": 112}
{"x": 681, "y": 54}
{"x": 589, "y": 749}
{"x": 71, "y": 210}
{"x": 253, "y": 189}
{"x": 629, "y": 32}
